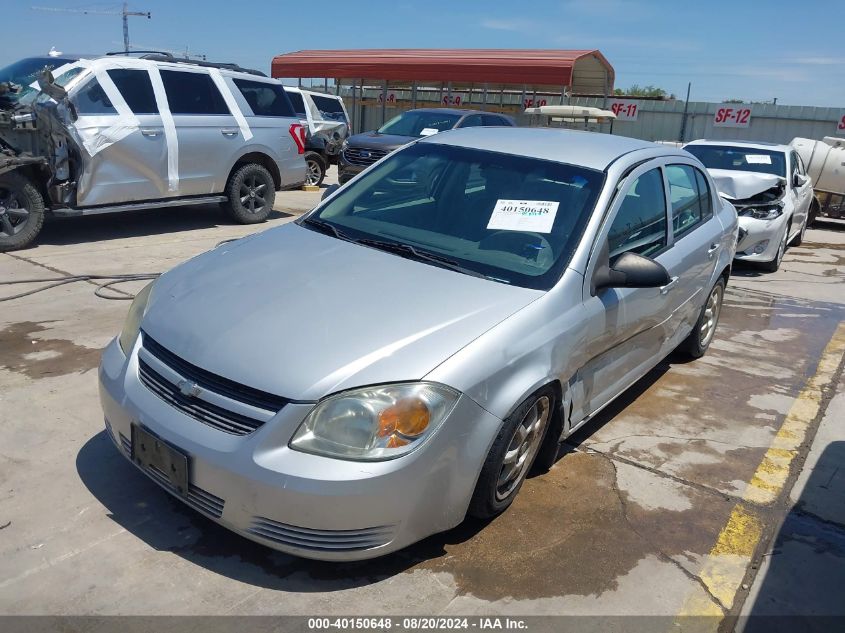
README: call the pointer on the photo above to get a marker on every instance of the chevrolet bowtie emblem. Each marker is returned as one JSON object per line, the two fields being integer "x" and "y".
{"x": 190, "y": 389}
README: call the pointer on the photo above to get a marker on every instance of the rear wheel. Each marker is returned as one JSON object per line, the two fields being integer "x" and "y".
{"x": 512, "y": 454}
{"x": 699, "y": 339}
{"x": 251, "y": 193}
{"x": 21, "y": 211}
{"x": 315, "y": 169}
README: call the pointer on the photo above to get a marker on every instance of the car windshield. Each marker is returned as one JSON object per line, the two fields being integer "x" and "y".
{"x": 23, "y": 72}
{"x": 740, "y": 158}
{"x": 419, "y": 123}
{"x": 509, "y": 218}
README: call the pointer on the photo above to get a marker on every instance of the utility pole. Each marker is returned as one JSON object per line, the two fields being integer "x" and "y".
{"x": 125, "y": 15}
{"x": 684, "y": 117}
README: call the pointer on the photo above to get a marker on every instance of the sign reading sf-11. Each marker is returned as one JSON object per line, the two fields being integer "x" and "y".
{"x": 731, "y": 115}
{"x": 624, "y": 109}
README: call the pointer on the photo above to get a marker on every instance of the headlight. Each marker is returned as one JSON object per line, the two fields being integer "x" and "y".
{"x": 132, "y": 325}
{"x": 762, "y": 213}
{"x": 375, "y": 423}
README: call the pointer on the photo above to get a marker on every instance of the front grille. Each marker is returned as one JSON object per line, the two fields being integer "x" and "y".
{"x": 363, "y": 156}
{"x": 202, "y": 411}
{"x": 213, "y": 382}
{"x": 321, "y": 540}
{"x": 197, "y": 498}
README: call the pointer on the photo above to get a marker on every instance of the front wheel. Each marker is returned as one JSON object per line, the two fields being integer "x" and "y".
{"x": 21, "y": 211}
{"x": 251, "y": 193}
{"x": 773, "y": 265}
{"x": 511, "y": 456}
{"x": 699, "y": 339}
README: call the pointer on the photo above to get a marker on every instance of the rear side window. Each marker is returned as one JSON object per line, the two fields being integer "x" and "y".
{"x": 192, "y": 93}
{"x": 92, "y": 100}
{"x": 640, "y": 224}
{"x": 330, "y": 108}
{"x": 265, "y": 99}
{"x": 136, "y": 88}
{"x": 473, "y": 120}
{"x": 690, "y": 205}
{"x": 493, "y": 120}
{"x": 297, "y": 103}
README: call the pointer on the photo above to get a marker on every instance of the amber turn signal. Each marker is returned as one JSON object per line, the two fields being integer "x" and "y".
{"x": 407, "y": 418}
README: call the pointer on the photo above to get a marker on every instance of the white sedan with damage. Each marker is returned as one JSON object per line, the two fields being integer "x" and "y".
{"x": 769, "y": 186}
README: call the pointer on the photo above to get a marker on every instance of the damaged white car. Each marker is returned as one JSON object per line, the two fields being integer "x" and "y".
{"x": 115, "y": 133}
{"x": 770, "y": 189}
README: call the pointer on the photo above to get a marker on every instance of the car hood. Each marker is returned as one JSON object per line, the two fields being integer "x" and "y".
{"x": 381, "y": 141}
{"x": 740, "y": 185}
{"x": 300, "y": 314}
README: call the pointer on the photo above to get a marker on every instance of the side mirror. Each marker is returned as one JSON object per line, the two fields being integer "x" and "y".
{"x": 329, "y": 191}
{"x": 631, "y": 271}
{"x": 798, "y": 180}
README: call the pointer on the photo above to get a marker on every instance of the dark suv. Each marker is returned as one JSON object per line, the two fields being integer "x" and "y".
{"x": 362, "y": 150}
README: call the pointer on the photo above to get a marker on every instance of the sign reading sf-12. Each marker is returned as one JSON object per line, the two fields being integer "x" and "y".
{"x": 624, "y": 109}
{"x": 732, "y": 115}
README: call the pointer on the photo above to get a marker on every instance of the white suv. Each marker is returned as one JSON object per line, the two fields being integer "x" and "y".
{"x": 117, "y": 133}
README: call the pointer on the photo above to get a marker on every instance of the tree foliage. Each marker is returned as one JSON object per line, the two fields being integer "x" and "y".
{"x": 641, "y": 91}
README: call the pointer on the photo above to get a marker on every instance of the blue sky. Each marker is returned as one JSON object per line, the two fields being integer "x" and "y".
{"x": 727, "y": 48}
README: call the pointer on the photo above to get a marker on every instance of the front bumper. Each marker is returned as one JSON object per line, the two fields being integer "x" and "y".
{"x": 303, "y": 504}
{"x": 346, "y": 171}
{"x": 753, "y": 232}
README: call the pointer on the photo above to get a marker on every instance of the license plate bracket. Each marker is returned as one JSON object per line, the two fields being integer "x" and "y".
{"x": 149, "y": 451}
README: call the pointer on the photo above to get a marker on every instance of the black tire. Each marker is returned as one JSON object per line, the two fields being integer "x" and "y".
{"x": 315, "y": 169}
{"x": 696, "y": 344}
{"x": 772, "y": 266}
{"x": 251, "y": 193}
{"x": 21, "y": 211}
{"x": 491, "y": 496}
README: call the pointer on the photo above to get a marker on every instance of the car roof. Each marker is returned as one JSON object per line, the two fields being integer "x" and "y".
{"x": 764, "y": 145}
{"x": 593, "y": 150}
{"x": 311, "y": 92}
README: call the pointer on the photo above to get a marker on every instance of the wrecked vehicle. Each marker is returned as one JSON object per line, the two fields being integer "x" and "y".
{"x": 326, "y": 125}
{"x": 769, "y": 186}
{"x": 118, "y": 133}
{"x": 825, "y": 161}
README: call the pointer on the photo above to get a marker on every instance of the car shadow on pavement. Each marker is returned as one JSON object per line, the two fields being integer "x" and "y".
{"x": 113, "y": 226}
{"x": 165, "y": 524}
{"x": 803, "y": 575}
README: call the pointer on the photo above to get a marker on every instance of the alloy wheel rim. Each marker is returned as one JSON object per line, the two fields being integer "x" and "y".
{"x": 13, "y": 216}
{"x": 524, "y": 444}
{"x": 252, "y": 194}
{"x": 711, "y": 317}
{"x": 312, "y": 175}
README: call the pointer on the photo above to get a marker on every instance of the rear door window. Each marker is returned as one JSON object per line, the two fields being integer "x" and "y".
{"x": 265, "y": 99}
{"x": 192, "y": 93}
{"x": 688, "y": 199}
{"x": 329, "y": 107}
{"x": 136, "y": 88}
{"x": 640, "y": 225}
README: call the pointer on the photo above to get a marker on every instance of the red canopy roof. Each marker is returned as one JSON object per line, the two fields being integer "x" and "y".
{"x": 500, "y": 66}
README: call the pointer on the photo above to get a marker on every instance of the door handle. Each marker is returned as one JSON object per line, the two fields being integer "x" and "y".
{"x": 713, "y": 248}
{"x": 228, "y": 132}
{"x": 151, "y": 133}
{"x": 665, "y": 289}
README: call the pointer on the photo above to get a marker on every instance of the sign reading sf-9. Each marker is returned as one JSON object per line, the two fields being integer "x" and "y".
{"x": 732, "y": 116}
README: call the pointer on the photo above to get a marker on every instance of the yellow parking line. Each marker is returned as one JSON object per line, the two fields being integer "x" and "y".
{"x": 724, "y": 568}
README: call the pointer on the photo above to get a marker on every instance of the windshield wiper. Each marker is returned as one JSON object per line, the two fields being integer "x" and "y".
{"x": 328, "y": 228}
{"x": 421, "y": 255}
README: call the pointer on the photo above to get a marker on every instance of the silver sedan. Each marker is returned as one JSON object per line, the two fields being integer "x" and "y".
{"x": 460, "y": 307}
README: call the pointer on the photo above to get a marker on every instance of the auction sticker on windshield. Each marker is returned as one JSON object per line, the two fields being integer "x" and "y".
{"x": 537, "y": 216}
{"x": 758, "y": 159}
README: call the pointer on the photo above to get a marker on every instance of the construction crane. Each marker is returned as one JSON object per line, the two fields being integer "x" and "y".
{"x": 125, "y": 13}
